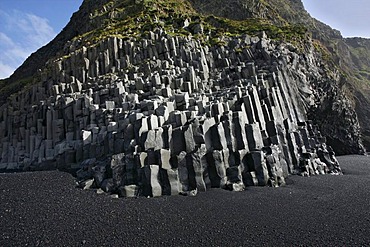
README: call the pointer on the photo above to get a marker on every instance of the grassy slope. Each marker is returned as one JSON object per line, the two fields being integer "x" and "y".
{"x": 135, "y": 20}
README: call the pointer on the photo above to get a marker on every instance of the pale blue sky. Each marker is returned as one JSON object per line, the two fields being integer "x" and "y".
{"x": 26, "y": 25}
{"x": 351, "y": 17}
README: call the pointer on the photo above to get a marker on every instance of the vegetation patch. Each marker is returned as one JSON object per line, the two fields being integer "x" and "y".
{"x": 134, "y": 19}
{"x": 9, "y": 89}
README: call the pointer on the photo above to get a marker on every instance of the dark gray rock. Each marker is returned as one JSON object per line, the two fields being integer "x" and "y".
{"x": 173, "y": 115}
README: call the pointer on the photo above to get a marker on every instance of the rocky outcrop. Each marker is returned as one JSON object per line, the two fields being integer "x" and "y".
{"x": 182, "y": 106}
{"x": 168, "y": 114}
{"x": 347, "y": 56}
{"x": 98, "y": 18}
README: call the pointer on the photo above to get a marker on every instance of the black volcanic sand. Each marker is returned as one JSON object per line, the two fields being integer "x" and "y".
{"x": 45, "y": 209}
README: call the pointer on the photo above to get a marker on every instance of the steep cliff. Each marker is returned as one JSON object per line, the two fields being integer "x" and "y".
{"x": 347, "y": 57}
{"x": 353, "y": 57}
{"x": 282, "y": 19}
{"x": 176, "y": 96}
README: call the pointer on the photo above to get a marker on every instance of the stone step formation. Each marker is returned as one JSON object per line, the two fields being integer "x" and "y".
{"x": 168, "y": 115}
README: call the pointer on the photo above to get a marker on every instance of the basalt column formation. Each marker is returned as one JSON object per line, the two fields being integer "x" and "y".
{"x": 167, "y": 115}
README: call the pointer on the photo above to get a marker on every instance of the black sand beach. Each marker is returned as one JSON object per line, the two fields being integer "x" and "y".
{"x": 45, "y": 209}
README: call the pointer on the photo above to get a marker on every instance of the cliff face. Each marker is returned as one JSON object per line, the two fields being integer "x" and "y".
{"x": 174, "y": 94}
{"x": 350, "y": 56}
{"x": 354, "y": 58}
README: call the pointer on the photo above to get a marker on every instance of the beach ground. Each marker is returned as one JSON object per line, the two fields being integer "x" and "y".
{"x": 46, "y": 209}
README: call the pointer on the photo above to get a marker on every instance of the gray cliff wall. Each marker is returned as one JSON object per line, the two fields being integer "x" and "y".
{"x": 171, "y": 108}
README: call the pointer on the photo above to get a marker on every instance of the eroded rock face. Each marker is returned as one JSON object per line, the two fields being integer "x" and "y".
{"x": 172, "y": 115}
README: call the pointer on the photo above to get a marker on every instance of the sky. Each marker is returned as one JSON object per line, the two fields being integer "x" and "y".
{"x": 350, "y": 17}
{"x": 27, "y": 25}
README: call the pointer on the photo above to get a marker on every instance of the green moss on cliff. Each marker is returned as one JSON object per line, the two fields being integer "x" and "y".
{"x": 132, "y": 19}
{"x": 8, "y": 89}
{"x": 253, "y": 26}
